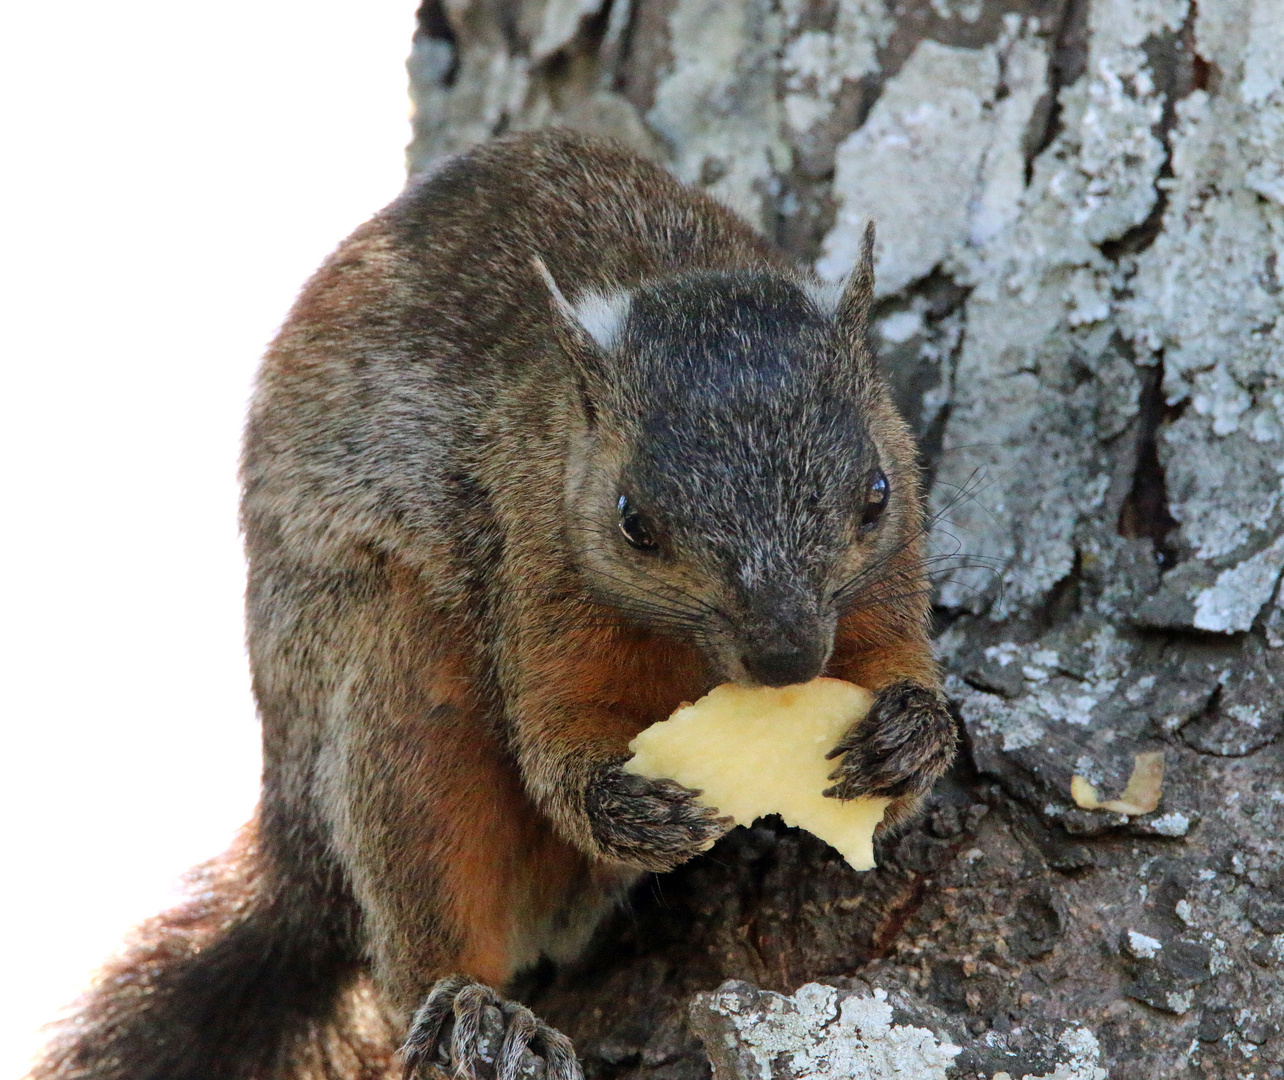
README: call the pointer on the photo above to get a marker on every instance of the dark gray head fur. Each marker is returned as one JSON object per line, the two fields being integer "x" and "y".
{"x": 743, "y": 422}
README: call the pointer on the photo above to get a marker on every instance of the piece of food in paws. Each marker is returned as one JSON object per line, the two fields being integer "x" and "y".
{"x": 762, "y": 751}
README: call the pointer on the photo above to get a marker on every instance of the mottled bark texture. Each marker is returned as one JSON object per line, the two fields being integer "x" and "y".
{"x": 1081, "y": 215}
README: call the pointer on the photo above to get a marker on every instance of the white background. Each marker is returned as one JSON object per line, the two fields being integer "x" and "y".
{"x": 170, "y": 173}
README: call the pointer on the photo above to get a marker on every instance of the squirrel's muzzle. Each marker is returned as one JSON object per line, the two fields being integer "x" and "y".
{"x": 785, "y": 663}
{"x": 787, "y": 640}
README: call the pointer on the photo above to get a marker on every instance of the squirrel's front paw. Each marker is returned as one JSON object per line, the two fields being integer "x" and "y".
{"x": 652, "y": 824}
{"x": 899, "y": 749}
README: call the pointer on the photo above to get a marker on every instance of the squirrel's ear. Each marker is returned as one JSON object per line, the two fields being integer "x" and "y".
{"x": 595, "y": 320}
{"x": 857, "y": 300}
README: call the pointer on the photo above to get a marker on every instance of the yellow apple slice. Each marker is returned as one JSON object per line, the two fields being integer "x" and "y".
{"x": 762, "y": 751}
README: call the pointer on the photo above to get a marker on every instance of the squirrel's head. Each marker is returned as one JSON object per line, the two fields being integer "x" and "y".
{"x": 738, "y": 473}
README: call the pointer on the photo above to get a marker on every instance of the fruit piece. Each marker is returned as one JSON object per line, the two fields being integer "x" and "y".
{"x": 1141, "y": 796}
{"x": 762, "y": 751}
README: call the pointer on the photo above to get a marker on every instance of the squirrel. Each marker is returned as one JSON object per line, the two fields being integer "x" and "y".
{"x": 549, "y": 446}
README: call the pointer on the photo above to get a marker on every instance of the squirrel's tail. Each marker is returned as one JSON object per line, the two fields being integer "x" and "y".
{"x": 255, "y": 977}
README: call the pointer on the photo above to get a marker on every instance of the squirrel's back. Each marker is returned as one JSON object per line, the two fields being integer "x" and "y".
{"x": 406, "y": 354}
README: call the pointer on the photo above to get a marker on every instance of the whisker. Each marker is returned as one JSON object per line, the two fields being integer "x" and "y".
{"x": 946, "y": 562}
{"x": 677, "y": 606}
{"x": 593, "y": 526}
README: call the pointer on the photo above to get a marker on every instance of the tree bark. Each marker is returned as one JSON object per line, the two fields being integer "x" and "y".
{"x": 1080, "y": 207}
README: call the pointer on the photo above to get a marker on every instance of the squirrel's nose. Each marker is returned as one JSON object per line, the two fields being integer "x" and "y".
{"x": 783, "y": 664}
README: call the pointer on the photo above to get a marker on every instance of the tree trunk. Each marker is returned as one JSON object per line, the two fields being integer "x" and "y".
{"x": 1080, "y": 207}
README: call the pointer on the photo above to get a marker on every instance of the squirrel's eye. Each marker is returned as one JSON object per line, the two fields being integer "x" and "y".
{"x": 634, "y": 527}
{"x": 876, "y": 495}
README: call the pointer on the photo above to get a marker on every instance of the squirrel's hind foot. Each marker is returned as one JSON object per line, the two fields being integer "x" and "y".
{"x": 464, "y": 1029}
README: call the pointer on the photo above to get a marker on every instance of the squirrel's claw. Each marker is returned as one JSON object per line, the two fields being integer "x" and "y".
{"x": 466, "y": 1030}
{"x": 899, "y": 749}
{"x": 653, "y": 824}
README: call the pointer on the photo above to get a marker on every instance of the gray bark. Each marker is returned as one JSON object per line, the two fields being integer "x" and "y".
{"x": 1081, "y": 214}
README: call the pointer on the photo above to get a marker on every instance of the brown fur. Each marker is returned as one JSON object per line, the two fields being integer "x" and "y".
{"x": 451, "y": 645}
